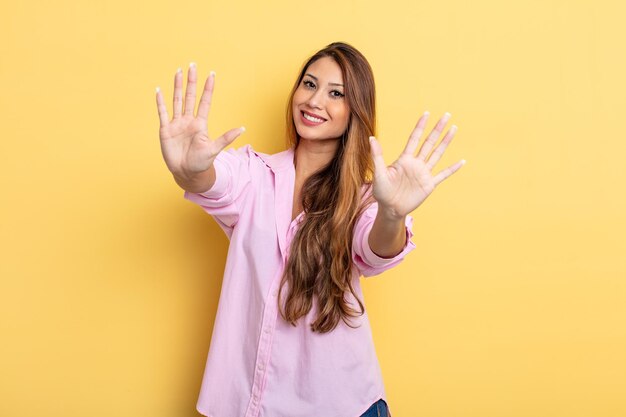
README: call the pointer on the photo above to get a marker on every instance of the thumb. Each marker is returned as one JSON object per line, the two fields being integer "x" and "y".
{"x": 228, "y": 137}
{"x": 380, "y": 169}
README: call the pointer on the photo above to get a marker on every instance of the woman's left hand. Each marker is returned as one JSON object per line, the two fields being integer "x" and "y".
{"x": 401, "y": 187}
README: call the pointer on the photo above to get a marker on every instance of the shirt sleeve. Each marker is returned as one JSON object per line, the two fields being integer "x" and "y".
{"x": 364, "y": 258}
{"x": 232, "y": 178}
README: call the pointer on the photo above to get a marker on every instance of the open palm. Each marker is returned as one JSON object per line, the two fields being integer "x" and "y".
{"x": 401, "y": 187}
{"x": 185, "y": 143}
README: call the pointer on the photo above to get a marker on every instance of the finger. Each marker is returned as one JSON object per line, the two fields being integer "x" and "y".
{"x": 190, "y": 93}
{"x": 432, "y": 138}
{"x": 414, "y": 139}
{"x": 377, "y": 155}
{"x": 163, "y": 116}
{"x": 178, "y": 93}
{"x": 448, "y": 171}
{"x": 207, "y": 95}
{"x": 228, "y": 137}
{"x": 439, "y": 150}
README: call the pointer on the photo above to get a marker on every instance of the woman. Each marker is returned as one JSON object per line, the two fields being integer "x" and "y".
{"x": 304, "y": 224}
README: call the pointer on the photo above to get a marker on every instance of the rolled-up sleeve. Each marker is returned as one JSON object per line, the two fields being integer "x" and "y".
{"x": 232, "y": 179}
{"x": 364, "y": 258}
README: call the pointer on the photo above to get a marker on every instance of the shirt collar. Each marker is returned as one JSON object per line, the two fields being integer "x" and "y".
{"x": 279, "y": 161}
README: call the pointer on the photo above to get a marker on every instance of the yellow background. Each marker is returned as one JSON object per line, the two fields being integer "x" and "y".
{"x": 513, "y": 303}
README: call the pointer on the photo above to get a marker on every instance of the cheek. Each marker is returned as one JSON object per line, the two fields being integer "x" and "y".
{"x": 343, "y": 114}
{"x": 294, "y": 106}
{"x": 298, "y": 96}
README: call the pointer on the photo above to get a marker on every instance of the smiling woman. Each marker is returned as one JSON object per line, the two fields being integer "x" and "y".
{"x": 320, "y": 101}
{"x": 332, "y": 162}
{"x": 291, "y": 335}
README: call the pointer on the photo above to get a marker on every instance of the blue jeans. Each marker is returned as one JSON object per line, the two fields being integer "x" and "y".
{"x": 378, "y": 409}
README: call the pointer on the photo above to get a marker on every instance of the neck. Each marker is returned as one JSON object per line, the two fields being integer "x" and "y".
{"x": 311, "y": 155}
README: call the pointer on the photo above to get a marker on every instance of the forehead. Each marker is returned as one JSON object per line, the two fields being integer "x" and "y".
{"x": 326, "y": 70}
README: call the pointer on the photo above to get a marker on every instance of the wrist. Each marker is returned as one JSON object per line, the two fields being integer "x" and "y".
{"x": 198, "y": 183}
{"x": 390, "y": 214}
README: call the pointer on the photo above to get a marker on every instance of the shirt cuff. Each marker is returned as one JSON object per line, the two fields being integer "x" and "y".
{"x": 374, "y": 260}
{"x": 222, "y": 181}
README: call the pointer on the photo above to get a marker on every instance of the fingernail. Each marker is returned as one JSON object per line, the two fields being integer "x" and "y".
{"x": 463, "y": 161}
{"x": 243, "y": 129}
{"x": 426, "y": 113}
{"x": 192, "y": 64}
{"x": 447, "y": 115}
{"x": 179, "y": 70}
{"x": 372, "y": 138}
{"x": 158, "y": 89}
{"x": 213, "y": 73}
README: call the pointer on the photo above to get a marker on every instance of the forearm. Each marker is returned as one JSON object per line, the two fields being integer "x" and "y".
{"x": 388, "y": 235}
{"x": 198, "y": 183}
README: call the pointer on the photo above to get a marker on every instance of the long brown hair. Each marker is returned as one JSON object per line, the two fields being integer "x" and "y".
{"x": 320, "y": 259}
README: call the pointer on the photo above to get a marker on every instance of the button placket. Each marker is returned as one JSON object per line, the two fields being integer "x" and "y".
{"x": 267, "y": 325}
{"x": 264, "y": 350}
{"x": 272, "y": 318}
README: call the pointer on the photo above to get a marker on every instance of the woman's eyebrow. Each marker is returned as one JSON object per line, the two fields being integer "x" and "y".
{"x": 315, "y": 78}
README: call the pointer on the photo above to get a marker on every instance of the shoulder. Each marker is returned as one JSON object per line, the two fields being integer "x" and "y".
{"x": 276, "y": 162}
{"x": 279, "y": 161}
{"x": 244, "y": 153}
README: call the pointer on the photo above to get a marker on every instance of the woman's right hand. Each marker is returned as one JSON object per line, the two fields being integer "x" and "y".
{"x": 185, "y": 143}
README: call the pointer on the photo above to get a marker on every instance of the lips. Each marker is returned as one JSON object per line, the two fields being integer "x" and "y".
{"x": 313, "y": 115}
{"x": 310, "y": 123}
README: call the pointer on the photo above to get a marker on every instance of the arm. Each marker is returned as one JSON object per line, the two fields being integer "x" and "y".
{"x": 388, "y": 235}
{"x": 231, "y": 184}
{"x": 368, "y": 237}
{"x": 404, "y": 185}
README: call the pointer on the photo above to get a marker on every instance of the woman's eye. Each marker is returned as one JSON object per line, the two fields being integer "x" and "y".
{"x": 334, "y": 93}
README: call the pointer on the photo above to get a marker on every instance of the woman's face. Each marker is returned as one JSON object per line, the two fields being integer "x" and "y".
{"x": 321, "y": 95}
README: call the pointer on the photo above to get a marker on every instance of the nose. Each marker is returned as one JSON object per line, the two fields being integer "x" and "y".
{"x": 315, "y": 100}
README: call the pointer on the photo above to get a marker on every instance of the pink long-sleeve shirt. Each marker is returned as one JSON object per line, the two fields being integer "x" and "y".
{"x": 259, "y": 365}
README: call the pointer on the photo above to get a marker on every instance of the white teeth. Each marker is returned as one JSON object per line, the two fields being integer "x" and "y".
{"x": 313, "y": 119}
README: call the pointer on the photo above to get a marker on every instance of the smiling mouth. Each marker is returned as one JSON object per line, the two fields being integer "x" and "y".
{"x": 311, "y": 119}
